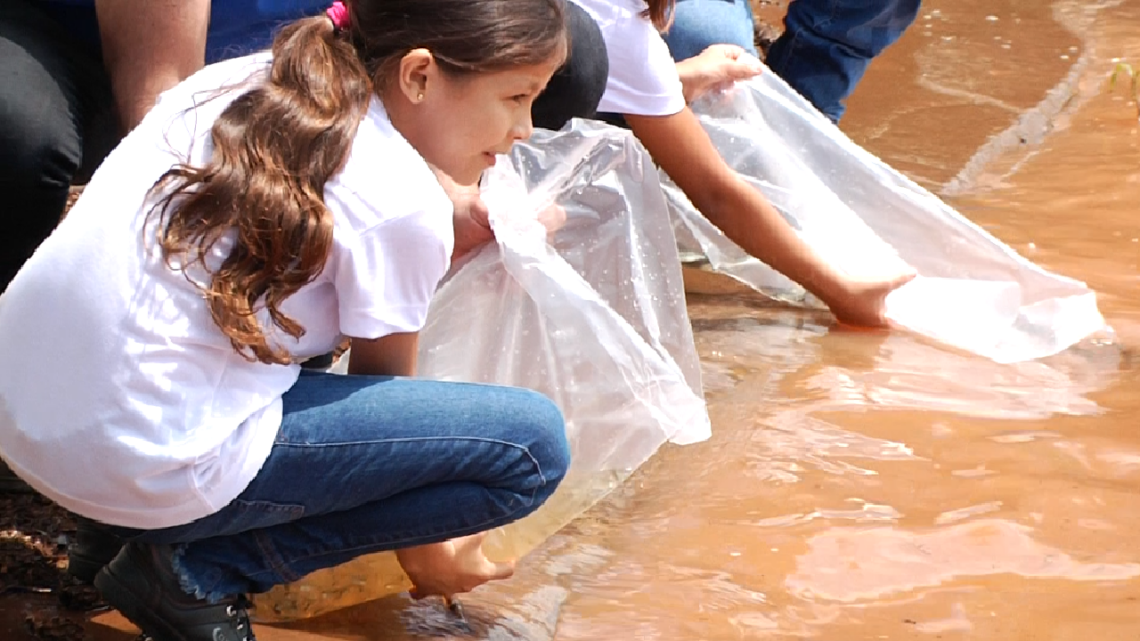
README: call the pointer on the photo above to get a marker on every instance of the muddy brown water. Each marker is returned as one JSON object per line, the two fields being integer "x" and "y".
{"x": 869, "y": 485}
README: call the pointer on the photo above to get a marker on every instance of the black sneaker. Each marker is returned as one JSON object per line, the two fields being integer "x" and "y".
{"x": 12, "y": 484}
{"x": 141, "y": 584}
{"x": 94, "y": 547}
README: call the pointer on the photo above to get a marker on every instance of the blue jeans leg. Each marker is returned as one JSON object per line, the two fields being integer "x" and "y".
{"x": 365, "y": 464}
{"x": 697, "y": 24}
{"x": 827, "y": 45}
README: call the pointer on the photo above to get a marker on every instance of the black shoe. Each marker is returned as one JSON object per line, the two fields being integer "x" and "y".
{"x": 94, "y": 547}
{"x": 12, "y": 484}
{"x": 141, "y": 584}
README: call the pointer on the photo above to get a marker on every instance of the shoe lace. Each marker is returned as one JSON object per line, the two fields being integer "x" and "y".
{"x": 238, "y": 612}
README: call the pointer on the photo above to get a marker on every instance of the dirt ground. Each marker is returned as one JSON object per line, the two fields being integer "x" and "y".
{"x": 38, "y": 600}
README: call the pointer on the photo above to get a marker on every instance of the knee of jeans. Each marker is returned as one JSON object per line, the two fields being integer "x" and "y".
{"x": 577, "y": 89}
{"x": 544, "y": 427}
{"x": 827, "y": 19}
{"x": 699, "y": 25}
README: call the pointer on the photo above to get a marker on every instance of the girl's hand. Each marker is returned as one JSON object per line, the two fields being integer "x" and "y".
{"x": 469, "y": 215}
{"x": 716, "y": 68}
{"x": 449, "y": 568}
{"x": 471, "y": 220}
{"x": 553, "y": 217}
{"x": 861, "y": 301}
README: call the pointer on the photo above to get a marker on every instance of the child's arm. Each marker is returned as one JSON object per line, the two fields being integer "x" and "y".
{"x": 391, "y": 355}
{"x": 684, "y": 151}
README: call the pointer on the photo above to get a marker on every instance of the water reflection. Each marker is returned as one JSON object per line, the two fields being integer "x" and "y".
{"x": 905, "y": 373}
{"x": 847, "y": 564}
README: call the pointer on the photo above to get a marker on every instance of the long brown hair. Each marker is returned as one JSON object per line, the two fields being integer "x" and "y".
{"x": 660, "y": 12}
{"x": 277, "y": 144}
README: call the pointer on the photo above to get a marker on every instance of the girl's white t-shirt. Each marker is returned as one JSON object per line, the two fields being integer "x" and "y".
{"x": 643, "y": 78}
{"x": 120, "y": 399}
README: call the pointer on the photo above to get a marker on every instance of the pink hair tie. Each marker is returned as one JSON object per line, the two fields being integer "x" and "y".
{"x": 338, "y": 13}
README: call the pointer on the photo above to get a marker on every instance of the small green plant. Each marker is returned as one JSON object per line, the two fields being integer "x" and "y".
{"x": 1123, "y": 68}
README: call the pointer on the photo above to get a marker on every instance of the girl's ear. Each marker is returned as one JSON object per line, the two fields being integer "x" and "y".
{"x": 417, "y": 70}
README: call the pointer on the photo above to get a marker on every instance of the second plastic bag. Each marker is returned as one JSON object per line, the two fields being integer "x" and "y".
{"x": 593, "y": 316}
{"x": 973, "y": 292}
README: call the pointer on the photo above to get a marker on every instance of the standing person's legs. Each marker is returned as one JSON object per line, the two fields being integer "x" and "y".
{"x": 577, "y": 88}
{"x": 51, "y": 92}
{"x": 361, "y": 465}
{"x": 698, "y": 24}
{"x": 828, "y": 44}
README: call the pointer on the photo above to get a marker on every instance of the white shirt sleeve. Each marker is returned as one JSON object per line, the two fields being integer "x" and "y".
{"x": 643, "y": 78}
{"x": 393, "y": 232}
{"x": 386, "y": 275}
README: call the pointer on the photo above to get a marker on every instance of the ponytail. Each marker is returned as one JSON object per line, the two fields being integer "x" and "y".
{"x": 660, "y": 12}
{"x": 274, "y": 148}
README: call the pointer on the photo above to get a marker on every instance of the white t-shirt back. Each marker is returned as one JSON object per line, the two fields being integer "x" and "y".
{"x": 120, "y": 399}
{"x": 643, "y": 78}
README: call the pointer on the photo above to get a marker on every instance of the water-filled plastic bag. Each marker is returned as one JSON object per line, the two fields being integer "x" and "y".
{"x": 973, "y": 292}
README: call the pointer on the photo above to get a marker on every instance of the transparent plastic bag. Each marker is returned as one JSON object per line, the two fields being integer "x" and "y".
{"x": 593, "y": 316}
{"x": 972, "y": 292}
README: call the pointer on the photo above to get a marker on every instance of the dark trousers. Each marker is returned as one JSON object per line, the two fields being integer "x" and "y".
{"x": 58, "y": 121}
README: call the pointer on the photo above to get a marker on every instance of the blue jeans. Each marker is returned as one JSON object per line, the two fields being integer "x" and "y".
{"x": 825, "y": 48}
{"x": 699, "y": 24}
{"x": 365, "y": 464}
